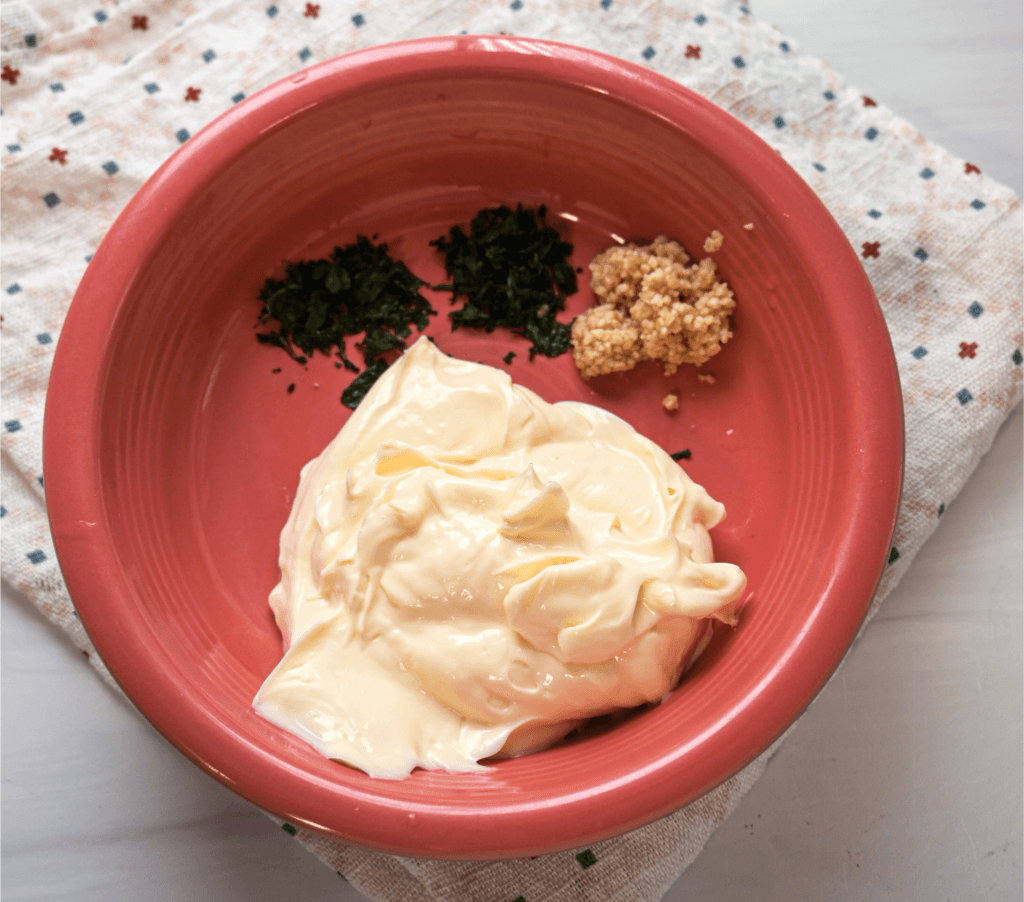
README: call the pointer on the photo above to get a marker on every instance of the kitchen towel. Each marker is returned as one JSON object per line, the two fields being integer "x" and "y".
{"x": 97, "y": 94}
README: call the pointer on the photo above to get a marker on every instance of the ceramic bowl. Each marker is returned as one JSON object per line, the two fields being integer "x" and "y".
{"x": 173, "y": 439}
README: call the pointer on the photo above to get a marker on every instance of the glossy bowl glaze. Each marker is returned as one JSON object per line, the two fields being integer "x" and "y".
{"x": 173, "y": 444}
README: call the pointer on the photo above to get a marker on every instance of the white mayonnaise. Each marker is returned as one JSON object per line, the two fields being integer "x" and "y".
{"x": 468, "y": 570}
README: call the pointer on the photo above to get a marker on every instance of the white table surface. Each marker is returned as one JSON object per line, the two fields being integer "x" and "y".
{"x": 903, "y": 780}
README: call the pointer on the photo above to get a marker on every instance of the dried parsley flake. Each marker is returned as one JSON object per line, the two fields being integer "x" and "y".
{"x": 362, "y": 383}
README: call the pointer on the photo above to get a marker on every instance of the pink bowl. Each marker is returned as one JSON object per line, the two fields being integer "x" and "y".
{"x": 173, "y": 448}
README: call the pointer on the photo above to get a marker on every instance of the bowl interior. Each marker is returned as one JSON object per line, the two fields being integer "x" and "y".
{"x": 185, "y": 443}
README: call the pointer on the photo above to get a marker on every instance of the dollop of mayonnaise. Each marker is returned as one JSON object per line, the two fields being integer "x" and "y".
{"x": 468, "y": 570}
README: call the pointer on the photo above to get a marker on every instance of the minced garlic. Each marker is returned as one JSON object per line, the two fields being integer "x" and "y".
{"x": 713, "y": 242}
{"x": 652, "y": 305}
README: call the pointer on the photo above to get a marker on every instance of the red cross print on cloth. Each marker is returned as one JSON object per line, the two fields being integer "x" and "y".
{"x": 10, "y": 74}
{"x": 312, "y": 10}
{"x": 868, "y": 101}
{"x": 870, "y": 249}
{"x": 58, "y": 156}
{"x": 967, "y": 350}
{"x": 141, "y": 23}
{"x": 193, "y": 93}
{"x": 693, "y": 51}
{"x": 969, "y": 168}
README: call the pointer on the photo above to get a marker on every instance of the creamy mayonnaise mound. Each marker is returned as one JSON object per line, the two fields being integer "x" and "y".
{"x": 468, "y": 570}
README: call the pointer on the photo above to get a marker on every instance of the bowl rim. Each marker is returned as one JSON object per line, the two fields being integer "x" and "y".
{"x": 89, "y": 562}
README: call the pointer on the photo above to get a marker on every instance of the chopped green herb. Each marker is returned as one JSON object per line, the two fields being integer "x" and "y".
{"x": 291, "y": 388}
{"x": 276, "y": 369}
{"x": 513, "y": 270}
{"x": 508, "y": 357}
{"x": 681, "y": 455}
{"x": 358, "y": 289}
{"x": 362, "y": 383}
